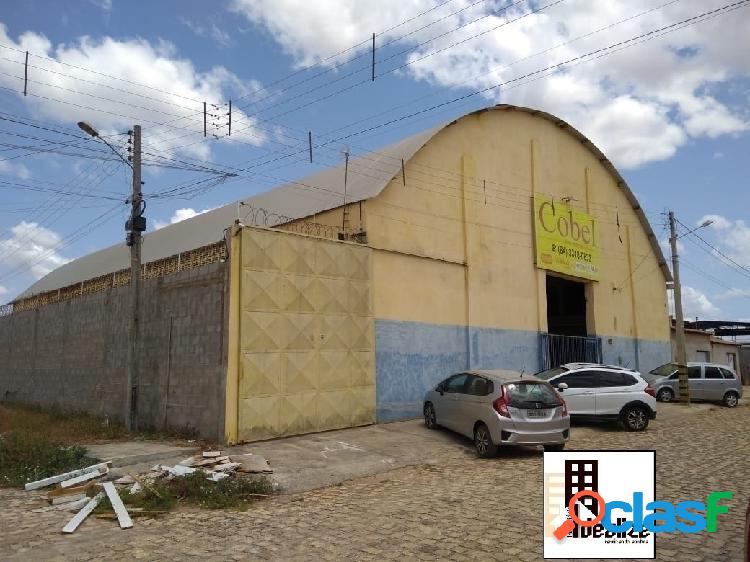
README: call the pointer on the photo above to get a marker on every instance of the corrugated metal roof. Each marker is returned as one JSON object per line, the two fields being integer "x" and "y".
{"x": 312, "y": 194}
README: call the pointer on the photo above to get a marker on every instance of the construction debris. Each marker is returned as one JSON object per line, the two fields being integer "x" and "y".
{"x": 82, "y": 490}
{"x": 66, "y": 476}
{"x": 81, "y": 515}
{"x": 114, "y": 498}
{"x": 85, "y": 476}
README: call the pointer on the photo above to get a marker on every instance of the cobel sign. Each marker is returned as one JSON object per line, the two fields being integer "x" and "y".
{"x": 565, "y": 239}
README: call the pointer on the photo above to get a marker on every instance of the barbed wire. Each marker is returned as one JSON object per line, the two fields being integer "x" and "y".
{"x": 258, "y": 216}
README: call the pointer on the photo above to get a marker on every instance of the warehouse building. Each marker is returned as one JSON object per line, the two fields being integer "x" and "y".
{"x": 504, "y": 239}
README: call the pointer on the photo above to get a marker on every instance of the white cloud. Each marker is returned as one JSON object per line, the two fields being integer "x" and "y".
{"x": 121, "y": 102}
{"x": 312, "y": 31}
{"x": 105, "y": 5}
{"x": 31, "y": 247}
{"x": 19, "y": 170}
{"x": 3, "y": 291}
{"x": 734, "y": 294}
{"x": 639, "y": 105}
{"x": 209, "y": 30}
{"x": 180, "y": 215}
{"x": 695, "y": 304}
{"x": 733, "y": 236}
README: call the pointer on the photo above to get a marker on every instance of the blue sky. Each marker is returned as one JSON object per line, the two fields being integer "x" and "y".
{"x": 672, "y": 112}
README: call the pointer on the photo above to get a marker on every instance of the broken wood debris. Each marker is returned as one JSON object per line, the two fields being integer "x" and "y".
{"x": 85, "y": 476}
{"x": 81, "y": 515}
{"x": 114, "y": 498}
{"x": 44, "y": 482}
{"x": 81, "y": 490}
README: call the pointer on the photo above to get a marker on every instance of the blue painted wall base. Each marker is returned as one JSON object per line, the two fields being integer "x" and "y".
{"x": 411, "y": 357}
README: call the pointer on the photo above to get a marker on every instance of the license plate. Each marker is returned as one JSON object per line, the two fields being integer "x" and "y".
{"x": 536, "y": 413}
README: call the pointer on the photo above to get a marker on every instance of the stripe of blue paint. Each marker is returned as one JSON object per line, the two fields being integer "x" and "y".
{"x": 411, "y": 357}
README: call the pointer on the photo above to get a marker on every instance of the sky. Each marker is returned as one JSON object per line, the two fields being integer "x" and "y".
{"x": 661, "y": 86}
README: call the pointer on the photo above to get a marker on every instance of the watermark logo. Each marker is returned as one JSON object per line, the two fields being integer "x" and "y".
{"x": 601, "y": 504}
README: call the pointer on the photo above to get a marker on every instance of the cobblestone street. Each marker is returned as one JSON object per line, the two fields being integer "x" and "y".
{"x": 465, "y": 508}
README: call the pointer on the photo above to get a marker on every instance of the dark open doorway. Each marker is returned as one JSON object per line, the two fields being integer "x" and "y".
{"x": 566, "y": 307}
{"x": 567, "y": 339}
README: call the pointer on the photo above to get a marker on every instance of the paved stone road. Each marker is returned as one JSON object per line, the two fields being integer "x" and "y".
{"x": 466, "y": 508}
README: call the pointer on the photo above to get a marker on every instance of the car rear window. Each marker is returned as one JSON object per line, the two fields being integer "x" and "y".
{"x": 665, "y": 370}
{"x": 550, "y": 373}
{"x": 527, "y": 394}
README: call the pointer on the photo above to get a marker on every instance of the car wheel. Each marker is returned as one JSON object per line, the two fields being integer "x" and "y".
{"x": 665, "y": 395}
{"x": 430, "y": 419}
{"x": 731, "y": 399}
{"x": 483, "y": 442}
{"x": 554, "y": 447}
{"x": 635, "y": 418}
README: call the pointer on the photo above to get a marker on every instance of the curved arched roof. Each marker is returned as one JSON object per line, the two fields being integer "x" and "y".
{"x": 307, "y": 196}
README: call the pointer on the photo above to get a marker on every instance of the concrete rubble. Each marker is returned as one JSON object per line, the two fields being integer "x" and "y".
{"x": 82, "y": 490}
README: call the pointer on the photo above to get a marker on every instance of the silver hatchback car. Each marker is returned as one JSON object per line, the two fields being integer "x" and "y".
{"x": 498, "y": 408}
{"x": 707, "y": 381}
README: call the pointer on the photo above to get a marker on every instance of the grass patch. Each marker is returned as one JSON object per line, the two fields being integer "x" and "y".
{"x": 195, "y": 489}
{"x": 77, "y": 427}
{"x": 25, "y": 457}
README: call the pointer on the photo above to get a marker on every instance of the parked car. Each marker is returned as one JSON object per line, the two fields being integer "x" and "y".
{"x": 707, "y": 381}
{"x": 499, "y": 408}
{"x": 604, "y": 392}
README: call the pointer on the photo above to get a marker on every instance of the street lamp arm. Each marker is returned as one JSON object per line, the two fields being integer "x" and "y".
{"x": 89, "y": 130}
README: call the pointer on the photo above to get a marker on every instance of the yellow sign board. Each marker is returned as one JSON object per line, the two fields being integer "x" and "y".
{"x": 565, "y": 239}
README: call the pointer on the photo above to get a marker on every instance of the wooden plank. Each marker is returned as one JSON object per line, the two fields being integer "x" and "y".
{"x": 83, "y": 477}
{"x": 81, "y": 515}
{"x": 114, "y": 498}
{"x": 65, "y": 476}
{"x": 211, "y": 454}
{"x": 70, "y": 491}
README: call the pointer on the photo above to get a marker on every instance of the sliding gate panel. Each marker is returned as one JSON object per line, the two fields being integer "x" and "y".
{"x": 306, "y": 335}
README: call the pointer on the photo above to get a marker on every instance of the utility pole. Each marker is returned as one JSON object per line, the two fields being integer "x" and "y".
{"x": 134, "y": 227}
{"x": 679, "y": 320}
{"x": 345, "y": 213}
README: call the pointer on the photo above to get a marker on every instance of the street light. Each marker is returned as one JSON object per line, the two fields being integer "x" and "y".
{"x": 89, "y": 130}
{"x": 680, "y": 354}
{"x": 704, "y": 224}
{"x": 134, "y": 227}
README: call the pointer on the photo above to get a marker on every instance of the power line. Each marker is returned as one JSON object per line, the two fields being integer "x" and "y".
{"x": 557, "y": 66}
{"x": 737, "y": 266}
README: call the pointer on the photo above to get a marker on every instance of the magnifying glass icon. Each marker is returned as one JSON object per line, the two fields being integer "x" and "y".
{"x": 562, "y": 531}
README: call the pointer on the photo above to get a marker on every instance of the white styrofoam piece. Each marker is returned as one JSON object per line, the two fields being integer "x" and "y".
{"x": 81, "y": 515}
{"x": 65, "y": 476}
{"x": 114, "y": 498}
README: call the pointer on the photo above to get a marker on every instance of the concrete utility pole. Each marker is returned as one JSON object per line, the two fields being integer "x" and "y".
{"x": 679, "y": 320}
{"x": 134, "y": 226}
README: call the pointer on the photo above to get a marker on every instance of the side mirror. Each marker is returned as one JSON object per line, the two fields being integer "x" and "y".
{"x": 441, "y": 389}
{"x": 562, "y": 386}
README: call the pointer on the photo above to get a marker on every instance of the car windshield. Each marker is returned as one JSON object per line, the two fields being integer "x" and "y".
{"x": 651, "y": 377}
{"x": 550, "y": 373}
{"x": 664, "y": 371}
{"x": 527, "y": 394}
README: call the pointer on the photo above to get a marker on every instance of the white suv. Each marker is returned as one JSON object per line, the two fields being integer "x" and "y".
{"x": 604, "y": 392}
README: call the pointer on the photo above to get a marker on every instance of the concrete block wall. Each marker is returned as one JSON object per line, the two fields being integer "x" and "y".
{"x": 73, "y": 354}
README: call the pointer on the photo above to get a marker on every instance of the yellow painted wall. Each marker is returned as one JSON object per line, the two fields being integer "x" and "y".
{"x": 446, "y": 212}
{"x": 301, "y": 336}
